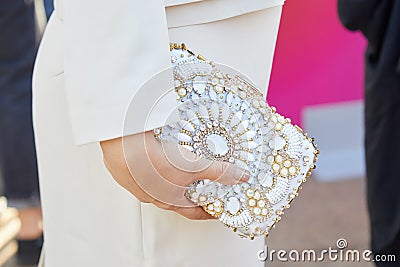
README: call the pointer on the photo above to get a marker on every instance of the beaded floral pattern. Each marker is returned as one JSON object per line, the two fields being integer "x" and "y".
{"x": 224, "y": 117}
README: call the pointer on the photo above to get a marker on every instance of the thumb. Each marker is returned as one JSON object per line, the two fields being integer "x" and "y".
{"x": 223, "y": 172}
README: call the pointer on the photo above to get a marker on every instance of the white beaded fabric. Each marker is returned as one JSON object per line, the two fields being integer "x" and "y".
{"x": 225, "y": 117}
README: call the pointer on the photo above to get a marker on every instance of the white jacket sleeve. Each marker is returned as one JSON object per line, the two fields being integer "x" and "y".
{"x": 111, "y": 48}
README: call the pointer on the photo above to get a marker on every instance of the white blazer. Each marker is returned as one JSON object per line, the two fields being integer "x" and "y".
{"x": 94, "y": 56}
{"x": 132, "y": 28}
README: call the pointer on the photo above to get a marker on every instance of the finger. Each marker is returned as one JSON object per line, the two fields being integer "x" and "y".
{"x": 124, "y": 178}
{"x": 164, "y": 206}
{"x": 192, "y": 213}
{"x": 195, "y": 167}
{"x": 224, "y": 172}
{"x": 196, "y": 213}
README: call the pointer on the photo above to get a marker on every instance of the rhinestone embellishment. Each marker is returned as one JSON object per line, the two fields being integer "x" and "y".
{"x": 224, "y": 117}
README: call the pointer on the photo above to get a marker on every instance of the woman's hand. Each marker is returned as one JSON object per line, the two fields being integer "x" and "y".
{"x": 159, "y": 174}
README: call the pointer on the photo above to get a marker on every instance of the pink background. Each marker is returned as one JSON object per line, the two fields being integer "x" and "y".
{"x": 317, "y": 61}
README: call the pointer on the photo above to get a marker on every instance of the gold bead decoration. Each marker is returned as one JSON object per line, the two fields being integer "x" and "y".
{"x": 230, "y": 110}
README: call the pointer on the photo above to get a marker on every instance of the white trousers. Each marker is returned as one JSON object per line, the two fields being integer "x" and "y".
{"x": 89, "y": 220}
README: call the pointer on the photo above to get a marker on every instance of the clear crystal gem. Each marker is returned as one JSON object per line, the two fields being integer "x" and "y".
{"x": 217, "y": 144}
{"x": 233, "y": 205}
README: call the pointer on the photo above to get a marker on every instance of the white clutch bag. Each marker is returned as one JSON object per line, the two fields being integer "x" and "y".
{"x": 225, "y": 117}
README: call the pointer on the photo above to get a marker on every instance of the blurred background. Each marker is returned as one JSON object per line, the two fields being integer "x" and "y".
{"x": 317, "y": 80}
{"x": 22, "y": 23}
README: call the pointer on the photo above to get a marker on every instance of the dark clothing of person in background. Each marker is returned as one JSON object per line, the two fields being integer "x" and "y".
{"x": 379, "y": 21}
{"x": 49, "y": 7}
{"x": 18, "y": 46}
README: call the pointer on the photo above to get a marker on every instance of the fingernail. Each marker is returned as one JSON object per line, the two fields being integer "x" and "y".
{"x": 244, "y": 175}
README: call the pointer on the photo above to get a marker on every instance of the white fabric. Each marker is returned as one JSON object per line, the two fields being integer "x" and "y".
{"x": 212, "y": 10}
{"x": 179, "y": 2}
{"x": 88, "y": 65}
{"x": 116, "y": 29}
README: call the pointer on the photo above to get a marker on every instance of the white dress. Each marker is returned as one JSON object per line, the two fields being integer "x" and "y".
{"x": 92, "y": 57}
